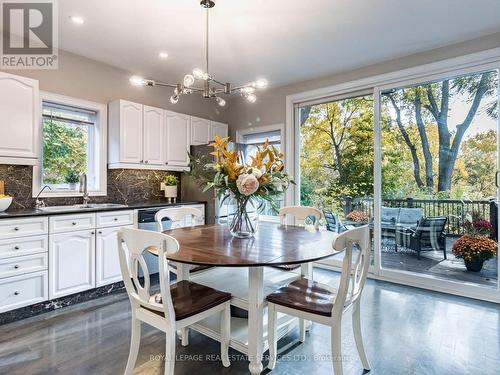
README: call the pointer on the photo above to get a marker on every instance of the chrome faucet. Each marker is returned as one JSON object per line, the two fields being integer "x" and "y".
{"x": 39, "y": 203}
{"x": 84, "y": 188}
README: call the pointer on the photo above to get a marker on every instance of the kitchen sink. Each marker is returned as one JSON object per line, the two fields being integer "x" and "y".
{"x": 73, "y": 207}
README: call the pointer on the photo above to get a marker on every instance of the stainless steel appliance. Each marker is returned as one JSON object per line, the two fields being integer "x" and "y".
{"x": 146, "y": 221}
{"x": 191, "y": 191}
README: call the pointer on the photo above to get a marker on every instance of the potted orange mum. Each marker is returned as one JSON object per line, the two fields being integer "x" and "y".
{"x": 475, "y": 247}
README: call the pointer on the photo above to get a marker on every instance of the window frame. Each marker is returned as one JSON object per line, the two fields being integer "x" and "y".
{"x": 420, "y": 74}
{"x": 99, "y": 159}
{"x": 240, "y": 135}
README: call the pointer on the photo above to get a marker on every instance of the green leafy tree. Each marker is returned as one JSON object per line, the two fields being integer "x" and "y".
{"x": 64, "y": 151}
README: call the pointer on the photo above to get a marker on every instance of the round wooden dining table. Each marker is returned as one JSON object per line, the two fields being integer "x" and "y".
{"x": 272, "y": 245}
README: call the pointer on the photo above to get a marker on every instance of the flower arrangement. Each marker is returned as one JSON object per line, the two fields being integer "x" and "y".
{"x": 475, "y": 246}
{"x": 358, "y": 216}
{"x": 263, "y": 179}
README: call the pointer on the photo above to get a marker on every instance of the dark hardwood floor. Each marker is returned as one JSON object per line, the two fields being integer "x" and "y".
{"x": 407, "y": 331}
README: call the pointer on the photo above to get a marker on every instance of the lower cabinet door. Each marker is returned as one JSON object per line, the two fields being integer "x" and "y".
{"x": 71, "y": 263}
{"x": 107, "y": 261}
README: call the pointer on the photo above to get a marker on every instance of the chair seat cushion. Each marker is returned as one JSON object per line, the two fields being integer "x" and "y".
{"x": 305, "y": 295}
{"x": 190, "y": 299}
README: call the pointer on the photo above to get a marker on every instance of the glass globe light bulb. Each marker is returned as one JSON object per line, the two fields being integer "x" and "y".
{"x": 261, "y": 83}
{"x": 188, "y": 80}
{"x": 174, "y": 99}
{"x": 198, "y": 73}
{"x": 221, "y": 102}
{"x": 248, "y": 90}
{"x": 137, "y": 81}
{"x": 251, "y": 98}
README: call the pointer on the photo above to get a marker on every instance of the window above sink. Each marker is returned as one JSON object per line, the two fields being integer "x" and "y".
{"x": 74, "y": 140}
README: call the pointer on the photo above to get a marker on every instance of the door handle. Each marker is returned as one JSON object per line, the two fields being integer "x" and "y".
{"x": 496, "y": 178}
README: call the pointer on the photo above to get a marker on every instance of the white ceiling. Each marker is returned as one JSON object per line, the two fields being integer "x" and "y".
{"x": 282, "y": 40}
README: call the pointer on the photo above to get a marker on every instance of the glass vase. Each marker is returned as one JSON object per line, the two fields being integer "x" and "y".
{"x": 243, "y": 217}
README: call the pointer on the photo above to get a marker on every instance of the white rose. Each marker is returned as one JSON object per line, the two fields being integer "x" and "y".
{"x": 257, "y": 173}
{"x": 247, "y": 184}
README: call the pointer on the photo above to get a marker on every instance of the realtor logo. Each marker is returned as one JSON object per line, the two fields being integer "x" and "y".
{"x": 29, "y": 35}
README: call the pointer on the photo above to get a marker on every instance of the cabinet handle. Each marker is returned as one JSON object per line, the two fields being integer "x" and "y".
{"x": 115, "y": 219}
{"x": 16, "y": 293}
{"x": 16, "y": 228}
{"x": 74, "y": 223}
{"x": 166, "y": 163}
{"x": 16, "y": 247}
{"x": 142, "y": 161}
{"x": 147, "y": 161}
{"x": 16, "y": 266}
{"x": 92, "y": 232}
{"x": 100, "y": 232}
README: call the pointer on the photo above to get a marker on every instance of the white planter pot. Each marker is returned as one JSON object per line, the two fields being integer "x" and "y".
{"x": 170, "y": 191}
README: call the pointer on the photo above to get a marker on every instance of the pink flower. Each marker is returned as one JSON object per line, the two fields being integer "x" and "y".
{"x": 247, "y": 184}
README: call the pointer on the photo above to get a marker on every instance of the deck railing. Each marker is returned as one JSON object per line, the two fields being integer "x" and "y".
{"x": 454, "y": 210}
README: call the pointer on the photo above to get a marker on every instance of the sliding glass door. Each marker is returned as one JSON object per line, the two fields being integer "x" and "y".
{"x": 439, "y": 207}
{"x": 336, "y": 160}
{"x": 417, "y": 161}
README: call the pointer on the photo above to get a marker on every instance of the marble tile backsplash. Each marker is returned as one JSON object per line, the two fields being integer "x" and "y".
{"x": 125, "y": 186}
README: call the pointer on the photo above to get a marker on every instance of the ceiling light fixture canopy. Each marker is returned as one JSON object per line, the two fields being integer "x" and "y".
{"x": 212, "y": 88}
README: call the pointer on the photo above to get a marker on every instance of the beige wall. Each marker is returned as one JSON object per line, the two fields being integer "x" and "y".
{"x": 270, "y": 106}
{"x": 88, "y": 79}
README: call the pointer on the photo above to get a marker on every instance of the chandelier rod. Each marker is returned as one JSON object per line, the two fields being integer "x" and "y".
{"x": 206, "y": 40}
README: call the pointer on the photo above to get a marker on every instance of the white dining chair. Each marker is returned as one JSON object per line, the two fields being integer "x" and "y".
{"x": 176, "y": 306}
{"x": 300, "y": 214}
{"x": 324, "y": 304}
{"x": 179, "y": 216}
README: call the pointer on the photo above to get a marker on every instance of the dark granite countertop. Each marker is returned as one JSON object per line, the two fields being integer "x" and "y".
{"x": 34, "y": 212}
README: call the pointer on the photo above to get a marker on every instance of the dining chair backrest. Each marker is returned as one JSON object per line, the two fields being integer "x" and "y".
{"x": 178, "y": 216}
{"x": 132, "y": 244}
{"x": 351, "y": 286}
{"x": 300, "y": 213}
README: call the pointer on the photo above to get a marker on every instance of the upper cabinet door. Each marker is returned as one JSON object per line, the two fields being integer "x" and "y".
{"x": 131, "y": 132}
{"x": 19, "y": 114}
{"x": 200, "y": 131}
{"x": 219, "y": 129}
{"x": 153, "y": 135}
{"x": 177, "y": 139}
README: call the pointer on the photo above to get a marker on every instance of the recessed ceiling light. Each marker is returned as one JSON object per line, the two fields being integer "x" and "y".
{"x": 77, "y": 20}
{"x": 163, "y": 55}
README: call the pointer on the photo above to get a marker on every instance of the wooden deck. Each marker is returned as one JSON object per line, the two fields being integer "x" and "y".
{"x": 432, "y": 263}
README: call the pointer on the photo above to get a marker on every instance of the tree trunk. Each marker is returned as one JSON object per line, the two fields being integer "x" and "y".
{"x": 429, "y": 178}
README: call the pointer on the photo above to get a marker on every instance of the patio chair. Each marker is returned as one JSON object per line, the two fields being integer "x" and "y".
{"x": 428, "y": 236}
{"x": 333, "y": 223}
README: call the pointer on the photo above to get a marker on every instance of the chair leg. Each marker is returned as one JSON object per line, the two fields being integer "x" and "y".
{"x": 170, "y": 341}
{"x": 225, "y": 333}
{"x": 135, "y": 342}
{"x": 302, "y": 329}
{"x": 358, "y": 338}
{"x": 336, "y": 348}
{"x": 185, "y": 336}
{"x": 271, "y": 335}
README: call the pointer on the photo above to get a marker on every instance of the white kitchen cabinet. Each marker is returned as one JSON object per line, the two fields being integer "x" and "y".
{"x": 177, "y": 139}
{"x": 23, "y": 290}
{"x": 20, "y": 124}
{"x": 107, "y": 261}
{"x": 200, "y": 131}
{"x": 71, "y": 263}
{"x": 125, "y": 132}
{"x": 218, "y": 128}
{"x": 154, "y": 124}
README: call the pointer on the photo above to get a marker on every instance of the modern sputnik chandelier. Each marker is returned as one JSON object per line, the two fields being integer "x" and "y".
{"x": 212, "y": 88}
